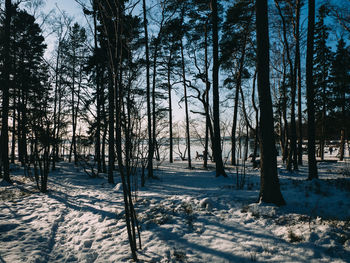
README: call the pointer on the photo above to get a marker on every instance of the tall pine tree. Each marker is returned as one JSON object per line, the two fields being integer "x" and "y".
{"x": 321, "y": 67}
{"x": 216, "y": 113}
{"x": 269, "y": 186}
{"x": 310, "y": 92}
{"x": 340, "y": 78}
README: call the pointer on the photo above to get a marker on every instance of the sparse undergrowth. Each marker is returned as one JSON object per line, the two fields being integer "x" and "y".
{"x": 13, "y": 194}
{"x": 294, "y": 238}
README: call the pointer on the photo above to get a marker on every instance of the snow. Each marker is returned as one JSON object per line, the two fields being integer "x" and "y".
{"x": 185, "y": 216}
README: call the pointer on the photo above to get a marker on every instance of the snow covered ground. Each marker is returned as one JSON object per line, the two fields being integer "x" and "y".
{"x": 185, "y": 216}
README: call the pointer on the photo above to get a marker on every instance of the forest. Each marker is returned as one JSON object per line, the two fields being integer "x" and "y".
{"x": 109, "y": 118}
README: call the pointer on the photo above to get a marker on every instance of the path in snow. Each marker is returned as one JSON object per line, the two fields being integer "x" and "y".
{"x": 69, "y": 224}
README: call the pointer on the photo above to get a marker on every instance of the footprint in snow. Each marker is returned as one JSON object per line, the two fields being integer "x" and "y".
{"x": 88, "y": 243}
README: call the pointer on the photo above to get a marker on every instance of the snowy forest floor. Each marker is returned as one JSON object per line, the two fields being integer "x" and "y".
{"x": 185, "y": 216}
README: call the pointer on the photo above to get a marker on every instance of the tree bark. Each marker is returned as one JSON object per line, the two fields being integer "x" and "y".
{"x": 155, "y": 57}
{"x": 171, "y": 157}
{"x": 298, "y": 67}
{"x": 269, "y": 185}
{"x": 6, "y": 95}
{"x": 98, "y": 96}
{"x": 73, "y": 143}
{"x": 24, "y": 127}
{"x": 216, "y": 112}
{"x": 186, "y": 108}
{"x": 310, "y": 93}
{"x": 206, "y": 97}
{"x": 148, "y": 94}
{"x": 105, "y": 129}
{"x": 342, "y": 130}
{"x": 55, "y": 104}
{"x": 234, "y": 127}
{"x": 111, "y": 152}
{"x": 13, "y": 129}
{"x": 256, "y": 139}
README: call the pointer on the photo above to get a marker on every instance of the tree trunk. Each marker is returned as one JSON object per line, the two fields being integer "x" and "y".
{"x": 188, "y": 136}
{"x": 206, "y": 97}
{"x": 343, "y": 128}
{"x": 171, "y": 158}
{"x": 155, "y": 57}
{"x": 269, "y": 185}
{"x": 19, "y": 124}
{"x": 57, "y": 134}
{"x": 342, "y": 144}
{"x": 111, "y": 153}
{"x": 125, "y": 170}
{"x": 13, "y": 130}
{"x": 256, "y": 139}
{"x": 234, "y": 127}
{"x": 76, "y": 115}
{"x": 105, "y": 128}
{"x": 323, "y": 129}
{"x": 216, "y": 112}
{"x": 119, "y": 99}
{"x": 235, "y": 112}
{"x": 5, "y": 94}
{"x": 300, "y": 119}
{"x": 284, "y": 114}
{"x": 310, "y": 93}
{"x": 292, "y": 154}
{"x": 298, "y": 69}
{"x": 24, "y": 129}
{"x": 73, "y": 143}
{"x": 148, "y": 94}
{"x": 55, "y": 105}
{"x": 98, "y": 97}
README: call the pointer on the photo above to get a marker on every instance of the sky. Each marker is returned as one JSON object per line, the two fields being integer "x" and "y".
{"x": 70, "y": 6}
{"x": 73, "y": 9}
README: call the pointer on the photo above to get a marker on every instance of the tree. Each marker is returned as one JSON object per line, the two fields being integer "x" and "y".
{"x": 97, "y": 67}
{"x": 5, "y": 92}
{"x": 183, "y": 67}
{"x": 75, "y": 57}
{"x": 297, "y": 69}
{"x": 116, "y": 45}
{"x": 199, "y": 38}
{"x": 340, "y": 11}
{"x": 292, "y": 154}
{"x": 279, "y": 65}
{"x": 148, "y": 94}
{"x": 41, "y": 126}
{"x": 170, "y": 46}
{"x": 216, "y": 100}
{"x": 269, "y": 184}
{"x": 322, "y": 64}
{"x": 60, "y": 25}
{"x": 310, "y": 93}
{"x": 340, "y": 78}
{"x": 98, "y": 91}
{"x": 236, "y": 54}
{"x": 156, "y": 46}
{"x": 30, "y": 93}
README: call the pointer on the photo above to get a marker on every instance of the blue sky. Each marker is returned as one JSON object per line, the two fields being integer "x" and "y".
{"x": 68, "y": 5}
{"x": 74, "y": 10}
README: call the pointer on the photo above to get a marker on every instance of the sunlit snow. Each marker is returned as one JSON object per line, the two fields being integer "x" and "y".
{"x": 185, "y": 216}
